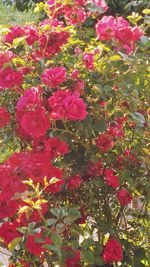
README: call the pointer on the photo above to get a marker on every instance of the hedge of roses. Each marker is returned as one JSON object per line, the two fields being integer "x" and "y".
{"x": 74, "y": 138}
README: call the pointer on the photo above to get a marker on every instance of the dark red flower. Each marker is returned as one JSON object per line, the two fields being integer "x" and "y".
{"x": 35, "y": 244}
{"x": 105, "y": 142}
{"x": 4, "y": 117}
{"x": 112, "y": 251}
{"x": 73, "y": 182}
{"x": 124, "y": 197}
{"x": 8, "y": 207}
{"x": 111, "y": 179}
{"x": 8, "y": 232}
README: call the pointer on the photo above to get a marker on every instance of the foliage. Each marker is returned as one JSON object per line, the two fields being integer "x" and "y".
{"x": 115, "y": 6}
{"x": 10, "y": 16}
{"x": 74, "y": 119}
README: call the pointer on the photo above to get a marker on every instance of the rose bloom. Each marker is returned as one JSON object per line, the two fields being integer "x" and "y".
{"x": 10, "y": 78}
{"x": 4, "y": 117}
{"x": 32, "y": 34}
{"x": 34, "y": 246}
{"x": 35, "y": 123}
{"x": 65, "y": 105}
{"x": 124, "y": 197}
{"x": 105, "y": 142}
{"x": 15, "y": 32}
{"x": 54, "y": 147}
{"x": 73, "y": 182}
{"x": 105, "y": 28}
{"x": 112, "y": 251}
{"x": 75, "y": 15}
{"x": 75, "y": 260}
{"x": 111, "y": 179}
{"x": 5, "y": 58}
{"x": 54, "y": 76}
{"x": 30, "y": 100}
{"x": 88, "y": 60}
{"x": 74, "y": 75}
{"x": 95, "y": 169}
{"x": 80, "y": 2}
{"x": 124, "y": 35}
{"x": 8, "y": 232}
{"x": 8, "y": 207}
{"x": 101, "y": 4}
{"x": 75, "y": 107}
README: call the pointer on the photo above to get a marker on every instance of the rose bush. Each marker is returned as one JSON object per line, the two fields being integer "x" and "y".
{"x": 74, "y": 122}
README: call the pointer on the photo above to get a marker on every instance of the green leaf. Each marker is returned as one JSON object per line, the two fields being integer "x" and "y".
{"x": 14, "y": 243}
{"x": 57, "y": 239}
{"x": 139, "y": 254}
{"x": 146, "y": 11}
{"x": 87, "y": 243}
{"x": 74, "y": 214}
{"x": 52, "y": 248}
{"x": 87, "y": 256}
{"x": 102, "y": 125}
{"x": 54, "y": 211}
{"x": 138, "y": 117}
{"x": 139, "y": 264}
{"x": 51, "y": 222}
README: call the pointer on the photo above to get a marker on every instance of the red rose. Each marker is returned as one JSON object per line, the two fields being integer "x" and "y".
{"x": 15, "y": 32}
{"x": 73, "y": 261}
{"x": 95, "y": 169}
{"x": 54, "y": 76}
{"x": 73, "y": 182}
{"x": 10, "y": 78}
{"x": 29, "y": 101}
{"x": 35, "y": 246}
{"x": 75, "y": 107}
{"x": 65, "y": 105}
{"x": 124, "y": 197}
{"x": 35, "y": 123}
{"x": 111, "y": 179}
{"x": 8, "y": 232}
{"x": 105, "y": 142}
{"x": 7, "y": 207}
{"x": 5, "y": 58}
{"x": 112, "y": 251}
{"x": 55, "y": 147}
{"x": 4, "y": 117}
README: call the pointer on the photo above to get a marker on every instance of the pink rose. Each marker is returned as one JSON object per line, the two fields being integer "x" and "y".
{"x": 105, "y": 28}
{"x": 75, "y": 107}
{"x": 88, "y": 59}
{"x": 15, "y": 32}
{"x": 35, "y": 123}
{"x": 10, "y": 78}
{"x": 54, "y": 76}
{"x": 101, "y": 4}
{"x": 65, "y": 105}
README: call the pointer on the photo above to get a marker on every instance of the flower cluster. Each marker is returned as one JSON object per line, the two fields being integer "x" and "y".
{"x": 72, "y": 130}
{"x": 118, "y": 29}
